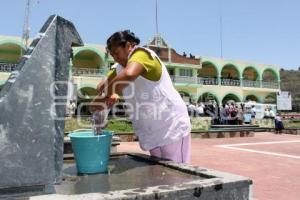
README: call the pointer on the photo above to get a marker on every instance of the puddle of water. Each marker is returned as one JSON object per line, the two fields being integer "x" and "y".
{"x": 125, "y": 172}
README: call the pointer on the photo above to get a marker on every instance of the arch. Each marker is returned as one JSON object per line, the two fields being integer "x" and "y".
{"x": 252, "y": 97}
{"x": 270, "y": 98}
{"x": 231, "y": 96}
{"x": 89, "y": 48}
{"x": 206, "y": 70}
{"x": 87, "y": 59}
{"x": 80, "y": 86}
{"x": 86, "y": 92}
{"x": 186, "y": 96}
{"x": 208, "y": 96}
{"x": 228, "y": 69}
{"x": 250, "y": 76}
{"x": 185, "y": 93}
{"x": 84, "y": 96}
{"x": 274, "y": 72}
{"x": 15, "y": 42}
{"x": 11, "y": 51}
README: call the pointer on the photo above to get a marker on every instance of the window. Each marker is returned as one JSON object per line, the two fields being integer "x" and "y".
{"x": 186, "y": 72}
{"x": 171, "y": 72}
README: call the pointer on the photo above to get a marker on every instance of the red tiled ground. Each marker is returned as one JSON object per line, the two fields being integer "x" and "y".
{"x": 275, "y": 176}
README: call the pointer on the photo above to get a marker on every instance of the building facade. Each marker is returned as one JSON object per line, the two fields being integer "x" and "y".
{"x": 197, "y": 78}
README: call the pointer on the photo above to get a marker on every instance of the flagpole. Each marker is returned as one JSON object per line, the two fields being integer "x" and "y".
{"x": 221, "y": 30}
{"x": 156, "y": 18}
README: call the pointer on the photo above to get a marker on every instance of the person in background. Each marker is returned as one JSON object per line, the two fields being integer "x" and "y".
{"x": 266, "y": 113}
{"x": 271, "y": 114}
{"x": 224, "y": 115}
{"x": 232, "y": 114}
{"x": 192, "y": 109}
{"x": 200, "y": 109}
{"x": 253, "y": 111}
{"x": 240, "y": 115}
{"x": 158, "y": 113}
{"x": 278, "y": 124}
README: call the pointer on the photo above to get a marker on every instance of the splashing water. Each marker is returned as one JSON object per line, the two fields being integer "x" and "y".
{"x": 99, "y": 121}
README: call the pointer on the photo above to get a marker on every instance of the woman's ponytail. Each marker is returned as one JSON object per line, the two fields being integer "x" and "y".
{"x": 130, "y": 37}
{"x": 120, "y": 38}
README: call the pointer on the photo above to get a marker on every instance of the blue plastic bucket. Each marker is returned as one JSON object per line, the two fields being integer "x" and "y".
{"x": 91, "y": 151}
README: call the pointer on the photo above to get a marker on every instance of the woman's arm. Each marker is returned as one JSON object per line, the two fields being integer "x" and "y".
{"x": 99, "y": 102}
{"x": 104, "y": 83}
{"x": 123, "y": 79}
{"x": 115, "y": 85}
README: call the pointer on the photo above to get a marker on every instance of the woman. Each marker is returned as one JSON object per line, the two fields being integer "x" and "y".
{"x": 158, "y": 113}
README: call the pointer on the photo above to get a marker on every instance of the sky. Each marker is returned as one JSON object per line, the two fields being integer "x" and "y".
{"x": 260, "y": 31}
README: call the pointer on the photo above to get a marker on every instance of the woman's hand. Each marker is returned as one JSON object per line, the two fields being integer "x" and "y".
{"x": 100, "y": 103}
{"x": 110, "y": 101}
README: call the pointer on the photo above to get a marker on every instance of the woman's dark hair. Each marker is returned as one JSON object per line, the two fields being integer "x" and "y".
{"x": 120, "y": 38}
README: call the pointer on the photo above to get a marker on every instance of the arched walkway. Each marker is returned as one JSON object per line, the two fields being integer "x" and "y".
{"x": 230, "y": 75}
{"x": 88, "y": 62}
{"x": 270, "y": 79}
{"x": 208, "y": 74}
{"x": 270, "y": 98}
{"x": 269, "y": 75}
{"x": 230, "y": 97}
{"x": 251, "y": 97}
{"x": 250, "y": 73}
{"x": 206, "y": 97}
{"x": 250, "y": 77}
{"x": 10, "y": 53}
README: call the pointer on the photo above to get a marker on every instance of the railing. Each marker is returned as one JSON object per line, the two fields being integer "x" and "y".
{"x": 273, "y": 85}
{"x": 207, "y": 81}
{"x": 6, "y": 67}
{"x": 230, "y": 82}
{"x": 184, "y": 79}
{"x": 88, "y": 72}
{"x": 225, "y": 82}
{"x": 249, "y": 83}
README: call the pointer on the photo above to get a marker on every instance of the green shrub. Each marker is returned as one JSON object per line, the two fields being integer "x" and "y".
{"x": 116, "y": 125}
{"x": 293, "y": 123}
{"x": 119, "y": 125}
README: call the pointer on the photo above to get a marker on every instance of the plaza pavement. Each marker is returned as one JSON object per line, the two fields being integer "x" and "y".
{"x": 272, "y": 161}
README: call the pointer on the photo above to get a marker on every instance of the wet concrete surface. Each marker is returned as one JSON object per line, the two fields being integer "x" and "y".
{"x": 125, "y": 172}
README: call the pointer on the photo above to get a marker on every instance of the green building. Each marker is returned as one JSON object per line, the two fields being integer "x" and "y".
{"x": 197, "y": 78}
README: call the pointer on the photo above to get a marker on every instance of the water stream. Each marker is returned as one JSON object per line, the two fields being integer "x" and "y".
{"x": 99, "y": 121}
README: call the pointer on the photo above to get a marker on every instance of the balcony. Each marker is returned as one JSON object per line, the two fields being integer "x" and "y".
{"x": 230, "y": 82}
{"x": 224, "y": 82}
{"x": 184, "y": 79}
{"x": 7, "y": 67}
{"x": 249, "y": 83}
{"x": 89, "y": 72}
{"x": 269, "y": 84}
{"x": 207, "y": 81}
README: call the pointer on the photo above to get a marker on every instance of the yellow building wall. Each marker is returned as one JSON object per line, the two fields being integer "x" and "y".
{"x": 3, "y": 77}
{"x": 79, "y": 63}
{"x": 9, "y": 58}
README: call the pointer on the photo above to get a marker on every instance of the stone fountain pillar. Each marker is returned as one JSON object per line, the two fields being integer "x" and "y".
{"x": 32, "y": 105}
